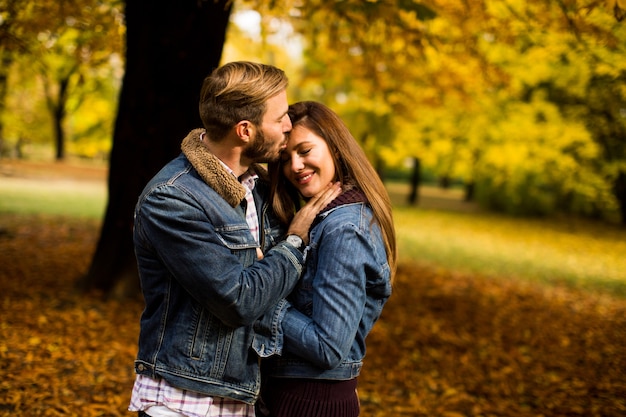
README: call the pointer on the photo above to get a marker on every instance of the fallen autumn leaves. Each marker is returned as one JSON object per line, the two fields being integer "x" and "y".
{"x": 447, "y": 345}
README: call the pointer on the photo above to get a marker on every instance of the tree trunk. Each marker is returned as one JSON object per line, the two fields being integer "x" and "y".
{"x": 619, "y": 190}
{"x": 5, "y": 59}
{"x": 416, "y": 179}
{"x": 470, "y": 188}
{"x": 58, "y": 110}
{"x": 171, "y": 48}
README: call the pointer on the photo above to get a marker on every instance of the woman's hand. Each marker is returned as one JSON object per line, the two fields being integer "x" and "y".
{"x": 303, "y": 219}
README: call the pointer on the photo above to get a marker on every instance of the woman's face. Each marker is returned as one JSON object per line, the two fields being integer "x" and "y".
{"x": 307, "y": 162}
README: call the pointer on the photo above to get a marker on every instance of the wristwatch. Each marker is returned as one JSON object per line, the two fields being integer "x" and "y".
{"x": 296, "y": 241}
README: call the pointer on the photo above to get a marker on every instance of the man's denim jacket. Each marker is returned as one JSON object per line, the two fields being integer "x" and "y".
{"x": 344, "y": 286}
{"x": 202, "y": 285}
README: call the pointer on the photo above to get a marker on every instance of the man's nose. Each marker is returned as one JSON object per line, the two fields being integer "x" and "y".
{"x": 287, "y": 124}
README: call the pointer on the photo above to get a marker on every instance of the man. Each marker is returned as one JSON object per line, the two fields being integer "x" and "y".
{"x": 210, "y": 256}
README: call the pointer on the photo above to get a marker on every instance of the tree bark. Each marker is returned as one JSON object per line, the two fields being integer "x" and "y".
{"x": 619, "y": 190}
{"x": 416, "y": 179}
{"x": 171, "y": 48}
{"x": 58, "y": 111}
{"x": 470, "y": 188}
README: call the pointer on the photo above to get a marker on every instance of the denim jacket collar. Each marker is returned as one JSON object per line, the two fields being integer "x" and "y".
{"x": 211, "y": 170}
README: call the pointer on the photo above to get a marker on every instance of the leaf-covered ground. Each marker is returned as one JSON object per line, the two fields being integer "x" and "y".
{"x": 447, "y": 345}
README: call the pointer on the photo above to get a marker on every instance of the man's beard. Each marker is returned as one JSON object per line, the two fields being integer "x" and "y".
{"x": 261, "y": 150}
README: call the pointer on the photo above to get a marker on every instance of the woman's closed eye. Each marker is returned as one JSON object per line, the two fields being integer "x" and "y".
{"x": 285, "y": 158}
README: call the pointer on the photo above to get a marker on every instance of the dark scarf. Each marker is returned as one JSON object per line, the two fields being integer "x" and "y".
{"x": 351, "y": 195}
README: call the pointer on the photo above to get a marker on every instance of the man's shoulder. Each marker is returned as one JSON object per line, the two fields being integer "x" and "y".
{"x": 170, "y": 171}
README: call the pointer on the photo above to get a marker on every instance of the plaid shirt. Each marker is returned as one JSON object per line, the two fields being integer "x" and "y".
{"x": 248, "y": 180}
{"x": 148, "y": 392}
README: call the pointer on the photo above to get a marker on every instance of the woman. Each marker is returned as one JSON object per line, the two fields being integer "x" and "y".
{"x": 350, "y": 262}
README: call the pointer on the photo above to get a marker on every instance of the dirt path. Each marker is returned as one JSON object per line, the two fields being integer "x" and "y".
{"x": 11, "y": 168}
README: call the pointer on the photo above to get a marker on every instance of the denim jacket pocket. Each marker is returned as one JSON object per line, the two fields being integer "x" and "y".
{"x": 240, "y": 241}
{"x": 236, "y": 236}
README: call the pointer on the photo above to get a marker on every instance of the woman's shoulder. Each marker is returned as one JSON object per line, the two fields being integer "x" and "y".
{"x": 351, "y": 215}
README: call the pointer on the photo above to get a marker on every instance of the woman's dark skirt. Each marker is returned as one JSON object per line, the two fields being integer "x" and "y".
{"x": 293, "y": 397}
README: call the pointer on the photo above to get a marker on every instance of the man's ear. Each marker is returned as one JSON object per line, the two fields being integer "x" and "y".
{"x": 245, "y": 130}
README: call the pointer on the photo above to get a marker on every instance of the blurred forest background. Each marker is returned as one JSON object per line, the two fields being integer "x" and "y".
{"x": 499, "y": 127}
{"x": 521, "y": 103}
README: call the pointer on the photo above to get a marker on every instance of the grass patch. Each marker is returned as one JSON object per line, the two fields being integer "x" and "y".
{"x": 81, "y": 199}
{"x": 573, "y": 252}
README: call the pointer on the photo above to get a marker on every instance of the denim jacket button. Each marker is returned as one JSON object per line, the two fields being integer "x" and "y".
{"x": 140, "y": 367}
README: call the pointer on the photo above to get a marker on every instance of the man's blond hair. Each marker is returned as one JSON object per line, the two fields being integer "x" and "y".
{"x": 238, "y": 91}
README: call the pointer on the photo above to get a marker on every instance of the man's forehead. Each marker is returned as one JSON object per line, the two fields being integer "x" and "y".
{"x": 277, "y": 106}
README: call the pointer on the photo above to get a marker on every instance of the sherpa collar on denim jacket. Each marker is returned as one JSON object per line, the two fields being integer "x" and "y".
{"x": 212, "y": 172}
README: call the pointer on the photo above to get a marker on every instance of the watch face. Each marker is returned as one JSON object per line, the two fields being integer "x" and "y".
{"x": 294, "y": 240}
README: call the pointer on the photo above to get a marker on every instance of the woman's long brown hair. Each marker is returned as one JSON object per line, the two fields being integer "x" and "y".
{"x": 351, "y": 165}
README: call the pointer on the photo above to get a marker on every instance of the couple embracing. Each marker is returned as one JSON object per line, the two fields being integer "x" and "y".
{"x": 260, "y": 285}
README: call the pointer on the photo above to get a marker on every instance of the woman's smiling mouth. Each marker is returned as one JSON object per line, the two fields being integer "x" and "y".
{"x": 302, "y": 179}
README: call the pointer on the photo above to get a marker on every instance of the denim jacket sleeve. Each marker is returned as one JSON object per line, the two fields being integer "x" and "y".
{"x": 343, "y": 260}
{"x": 202, "y": 249}
{"x": 268, "y": 337}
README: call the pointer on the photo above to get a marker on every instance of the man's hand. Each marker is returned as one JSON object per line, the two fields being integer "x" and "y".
{"x": 304, "y": 217}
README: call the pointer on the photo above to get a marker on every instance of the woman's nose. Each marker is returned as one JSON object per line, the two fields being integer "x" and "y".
{"x": 297, "y": 164}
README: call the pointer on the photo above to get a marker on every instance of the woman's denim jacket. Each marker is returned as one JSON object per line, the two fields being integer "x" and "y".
{"x": 203, "y": 289}
{"x": 344, "y": 286}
